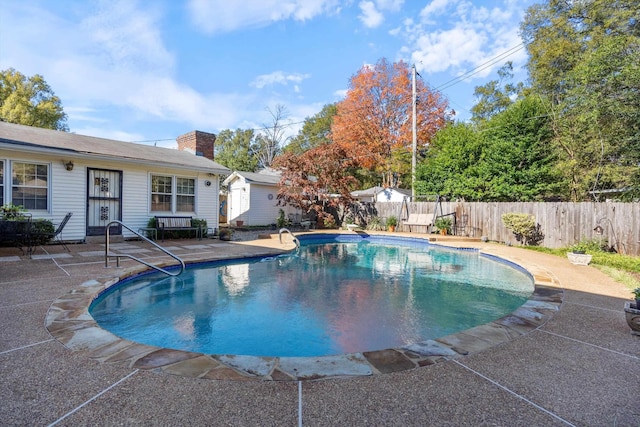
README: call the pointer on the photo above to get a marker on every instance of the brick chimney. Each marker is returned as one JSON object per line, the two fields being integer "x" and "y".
{"x": 198, "y": 143}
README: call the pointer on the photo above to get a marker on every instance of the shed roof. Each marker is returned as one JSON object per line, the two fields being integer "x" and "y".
{"x": 33, "y": 139}
{"x": 373, "y": 191}
{"x": 269, "y": 177}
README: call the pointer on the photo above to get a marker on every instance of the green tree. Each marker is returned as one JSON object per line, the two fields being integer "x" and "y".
{"x": 519, "y": 161}
{"x": 451, "y": 164}
{"x": 496, "y": 95}
{"x": 30, "y": 101}
{"x": 315, "y": 131}
{"x": 584, "y": 59}
{"x": 509, "y": 158}
{"x": 237, "y": 150}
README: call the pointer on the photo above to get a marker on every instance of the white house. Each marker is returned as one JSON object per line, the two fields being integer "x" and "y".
{"x": 381, "y": 194}
{"x": 51, "y": 173}
{"x": 252, "y": 197}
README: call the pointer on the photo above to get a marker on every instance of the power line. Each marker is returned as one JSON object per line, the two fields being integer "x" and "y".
{"x": 481, "y": 67}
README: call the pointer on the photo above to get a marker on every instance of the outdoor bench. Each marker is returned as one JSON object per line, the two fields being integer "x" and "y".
{"x": 177, "y": 223}
{"x": 424, "y": 220}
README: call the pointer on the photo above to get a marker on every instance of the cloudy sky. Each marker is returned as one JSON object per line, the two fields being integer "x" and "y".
{"x": 152, "y": 70}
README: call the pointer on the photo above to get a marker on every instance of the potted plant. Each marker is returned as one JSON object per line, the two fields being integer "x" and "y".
{"x": 632, "y": 313}
{"x": 443, "y": 225}
{"x": 392, "y": 223}
{"x": 225, "y": 234}
{"x": 579, "y": 255}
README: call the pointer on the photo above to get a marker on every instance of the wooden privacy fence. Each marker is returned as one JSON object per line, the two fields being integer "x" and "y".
{"x": 562, "y": 223}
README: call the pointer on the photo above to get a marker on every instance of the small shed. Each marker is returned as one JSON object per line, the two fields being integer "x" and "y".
{"x": 252, "y": 198}
{"x": 51, "y": 173}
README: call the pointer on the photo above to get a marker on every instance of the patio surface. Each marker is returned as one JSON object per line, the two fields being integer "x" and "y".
{"x": 580, "y": 366}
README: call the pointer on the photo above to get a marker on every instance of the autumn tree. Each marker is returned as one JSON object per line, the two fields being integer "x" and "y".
{"x": 237, "y": 150}
{"x": 373, "y": 124}
{"x": 30, "y": 101}
{"x": 317, "y": 179}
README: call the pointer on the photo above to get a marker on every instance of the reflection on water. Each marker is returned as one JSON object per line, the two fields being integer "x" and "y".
{"x": 325, "y": 299}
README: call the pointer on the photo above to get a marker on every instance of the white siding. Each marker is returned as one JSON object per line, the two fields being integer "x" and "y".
{"x": 250, "y": 203}
{"x": 262, "y": 210}
{"x": 389, "y": 195}
{"x": 68, "y": 191}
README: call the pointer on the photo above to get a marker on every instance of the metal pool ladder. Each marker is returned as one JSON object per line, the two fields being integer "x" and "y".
{"x": 295, "y": 239}
{"x": 107, "y": 253}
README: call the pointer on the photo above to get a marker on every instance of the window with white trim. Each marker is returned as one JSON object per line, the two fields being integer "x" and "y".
{"x": 185, "y": 194}
{"x": 172, "y": 194}
{"x": 30, "y": 186}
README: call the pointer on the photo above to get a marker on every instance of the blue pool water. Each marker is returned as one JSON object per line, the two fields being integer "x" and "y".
{"x": 338, "y": 294}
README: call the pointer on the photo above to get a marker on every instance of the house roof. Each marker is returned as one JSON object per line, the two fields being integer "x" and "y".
{"x": 371, "y": 192}
{"x": 32, "y": 139}
{"x": 264, "y": 177}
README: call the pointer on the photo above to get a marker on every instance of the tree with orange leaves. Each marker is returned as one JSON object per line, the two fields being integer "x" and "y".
{"x": 373, "y": 124}
{"x": 317, "y": 180}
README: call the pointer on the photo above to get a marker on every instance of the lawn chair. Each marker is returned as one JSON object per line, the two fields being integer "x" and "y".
{"x": 56, "y": 234}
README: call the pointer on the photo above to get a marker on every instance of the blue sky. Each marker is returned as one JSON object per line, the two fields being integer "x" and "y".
{"x": 152, "y": 70}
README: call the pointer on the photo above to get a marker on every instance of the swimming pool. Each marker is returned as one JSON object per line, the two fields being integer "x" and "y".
{"x": 339, "y": 294}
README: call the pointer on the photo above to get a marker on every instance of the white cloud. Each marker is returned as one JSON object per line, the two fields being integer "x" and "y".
{"x": 434, "y": 8}
{"x": 128, "y": 37}
{"x": 340, "y": 94}
{"x": 370, "y": 17}
{"x": 214, "y": 16}
{"x": 467, "y": 37}
{"x": 278, "y": 77}
{"x": 372, "y": 11}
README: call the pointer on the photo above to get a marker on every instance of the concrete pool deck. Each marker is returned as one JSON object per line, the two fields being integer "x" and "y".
{"x": 581, "y": 366}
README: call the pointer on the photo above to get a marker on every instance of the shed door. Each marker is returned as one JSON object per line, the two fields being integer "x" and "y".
{"x": 235, "y": 205}
{"x": 104, "y": 201}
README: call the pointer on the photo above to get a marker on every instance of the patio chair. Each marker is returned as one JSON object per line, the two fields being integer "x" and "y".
{"x": 56, "y": 234}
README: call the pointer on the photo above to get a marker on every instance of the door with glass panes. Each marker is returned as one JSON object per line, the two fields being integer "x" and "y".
{"x": 104, "y": 201}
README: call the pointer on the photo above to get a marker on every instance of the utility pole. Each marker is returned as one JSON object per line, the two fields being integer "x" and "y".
{"x": 414, "y": 142}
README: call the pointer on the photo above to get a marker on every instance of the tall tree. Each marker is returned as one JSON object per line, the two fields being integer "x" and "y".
{"x": 237, "y": 150}
{"x": 496, "y": 95}
{"x": 30, "y": 101}
{"x": 584, "y": 58}
{"x": 315, "y": 131}
{"x": 509, "y": 158}
{"x": 373, "y": 123}
{"x": 271, "y": 139}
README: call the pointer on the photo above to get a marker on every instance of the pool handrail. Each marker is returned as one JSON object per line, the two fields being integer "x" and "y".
{"x": 295, "y": 239}
{"x": 107, "y": 253}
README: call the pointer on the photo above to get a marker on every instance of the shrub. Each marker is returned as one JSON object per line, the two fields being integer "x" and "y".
{"x": 590, "y": 246}
{"x": 12, "y": 212}
{"x": 392, "y": 221}
{"x": 375, "y": 224}
{"x": 282, "y": 220}
{"x": 524, "y": 228}
{"x": 195, "y": 222}
{"x": 43, "y": 231}
{"x": 328, "y": 220}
